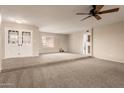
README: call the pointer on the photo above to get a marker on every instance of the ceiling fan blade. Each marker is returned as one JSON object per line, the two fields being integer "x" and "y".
{"x": 109, "y": 11}
{"x": 99, "y": 7}
{"x": 82, "y": 13}
{"x": 85, "y": 18}
{"x": 97, "y": 17}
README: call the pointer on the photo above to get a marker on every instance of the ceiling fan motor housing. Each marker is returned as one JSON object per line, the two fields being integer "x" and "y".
{"x": 93, "y": 12}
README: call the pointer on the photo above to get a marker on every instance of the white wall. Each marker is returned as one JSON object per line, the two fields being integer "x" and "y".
{"x": 108, "y": 42}
{"x": 36, "y": 42}
{"x": 76, "y": 42}
{"x": 61, "y": 41}
{"x": 0, "y": 42}
{"x": 21, "y": 26}
{"x": 0, "y": 51}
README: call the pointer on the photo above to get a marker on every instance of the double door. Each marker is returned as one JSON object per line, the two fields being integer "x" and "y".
{"x": 18, "y": 43}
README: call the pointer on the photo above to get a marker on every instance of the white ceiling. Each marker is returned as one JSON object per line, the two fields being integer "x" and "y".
{"x": 59, "y": 19}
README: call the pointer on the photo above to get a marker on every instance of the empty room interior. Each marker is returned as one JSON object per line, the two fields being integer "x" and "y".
{"x": 61, "y": 46}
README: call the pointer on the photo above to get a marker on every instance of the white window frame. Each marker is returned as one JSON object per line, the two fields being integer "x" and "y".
{"x": 46, "y": 41}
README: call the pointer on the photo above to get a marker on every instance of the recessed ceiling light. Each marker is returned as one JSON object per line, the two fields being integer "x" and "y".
{"x": 17, "y": 20}
{"x": 20, "y": 21}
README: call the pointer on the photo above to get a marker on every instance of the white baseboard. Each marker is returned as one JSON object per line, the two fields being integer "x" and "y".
{"x": 109, "y": 59}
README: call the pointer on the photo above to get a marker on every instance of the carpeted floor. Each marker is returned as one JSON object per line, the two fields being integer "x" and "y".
{"x": 43, "y": 59}
{"x": 90, "y": 72}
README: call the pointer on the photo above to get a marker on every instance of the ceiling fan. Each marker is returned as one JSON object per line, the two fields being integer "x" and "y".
{"x": 95, "y": 12}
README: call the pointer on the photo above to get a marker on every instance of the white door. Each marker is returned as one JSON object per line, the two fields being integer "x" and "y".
{"x": 18, "y": 43}
{"x": 11, "y": 43}
{"x": 87, "y": 43}
{"x": 26, "y": 44}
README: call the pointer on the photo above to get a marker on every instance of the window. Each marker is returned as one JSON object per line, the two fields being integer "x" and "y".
{"x": 26, "y": 38}
{"x": 88, "y": 38}
{"x": 88, "y": 49}
{"x": 48, "y": 41}
{"x": 13, "y": 37}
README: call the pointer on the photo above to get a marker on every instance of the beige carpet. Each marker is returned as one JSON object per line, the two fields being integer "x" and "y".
{"x": 90, "y": 72}
{"x": 13, "y": 63}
